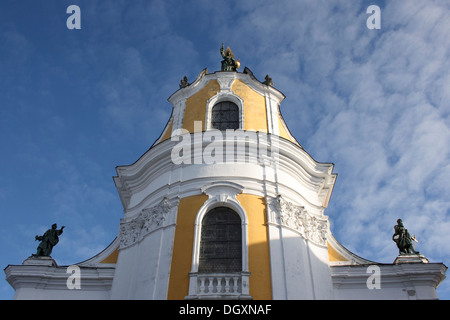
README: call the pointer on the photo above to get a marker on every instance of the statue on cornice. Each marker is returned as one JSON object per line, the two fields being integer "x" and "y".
{"x": 184, "y": 82}
{"x": 403, "y": 239}
{"x": 268, "y": 81}
{"x": 228, "y": 62}
{"x": 48, "y": 241}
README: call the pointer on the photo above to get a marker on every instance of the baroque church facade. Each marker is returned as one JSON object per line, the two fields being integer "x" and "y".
{"x": 227, "y": 205}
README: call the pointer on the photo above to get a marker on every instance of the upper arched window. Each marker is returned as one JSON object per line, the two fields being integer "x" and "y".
{"x": 221, "y": 242}
{"x": 225, "y": 115}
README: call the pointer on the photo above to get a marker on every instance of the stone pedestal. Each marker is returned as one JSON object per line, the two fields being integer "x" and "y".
{"x": 411, "y": 258}
{"x": 39, "y": 261}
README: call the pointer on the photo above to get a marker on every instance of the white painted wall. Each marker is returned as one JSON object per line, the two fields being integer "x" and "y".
{"x": 143, "y": 269}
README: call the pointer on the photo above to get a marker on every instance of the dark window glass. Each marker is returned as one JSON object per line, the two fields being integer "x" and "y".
{"x": 225, "y": 115}
{"x": 221, "y": 242}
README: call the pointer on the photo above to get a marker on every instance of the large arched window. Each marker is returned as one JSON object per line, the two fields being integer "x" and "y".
{"x": 221, "y": 242}
{"x": 225, "y": 115}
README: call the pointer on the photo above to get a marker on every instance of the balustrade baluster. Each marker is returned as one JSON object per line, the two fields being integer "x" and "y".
{"x": 211, "y": 285}
{"x": 235, "y": 284}
{"x": 219, "y": 284}
{"x": 227, "y": 284}
{"x": 202, "y": 285}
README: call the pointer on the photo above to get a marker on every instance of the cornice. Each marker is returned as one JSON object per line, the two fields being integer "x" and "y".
{"x": 44, "y": 277}
{"x": 282, "y": 213}
{"x": 156, "y": 164}
{"x": 204, "y": 77}
{"x": 421, "y": 274}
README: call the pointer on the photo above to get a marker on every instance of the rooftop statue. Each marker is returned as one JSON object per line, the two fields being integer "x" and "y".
{"x": 403, "y": 239}
{"x": 228, "y": 62}
{"x": 48, "y": 241}
{"x": 268, "y": 81}
{"x": 184, "y": 82}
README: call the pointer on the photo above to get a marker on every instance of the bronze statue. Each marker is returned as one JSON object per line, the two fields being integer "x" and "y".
{"x": 228, "y": 62}
{"x": 48, "y": 241}
{"x": 268, "y": 81}
{"x": 403, "y": 239}
{"x": 184, "y": 82}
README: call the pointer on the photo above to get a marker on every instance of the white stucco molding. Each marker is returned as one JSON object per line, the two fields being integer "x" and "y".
{"x": 288, "y": 215}
{"x": 404, "y": 281}
{"x": 147, "y": 221}
{"x": 44, "y": 282}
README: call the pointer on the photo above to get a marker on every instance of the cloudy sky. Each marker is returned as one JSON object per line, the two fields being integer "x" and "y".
{"x": 74, "y": 104}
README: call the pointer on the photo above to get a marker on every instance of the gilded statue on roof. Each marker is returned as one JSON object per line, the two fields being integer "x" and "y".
{"x": 228, "y": 62}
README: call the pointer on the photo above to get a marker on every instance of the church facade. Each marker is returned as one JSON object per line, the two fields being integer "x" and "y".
{"x": 227, "y": 205}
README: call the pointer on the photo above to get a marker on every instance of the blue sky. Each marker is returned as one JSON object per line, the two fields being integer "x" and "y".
{"x": 74, "y": 104}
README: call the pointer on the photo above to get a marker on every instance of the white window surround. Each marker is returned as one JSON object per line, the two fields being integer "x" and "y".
{"x": 218, "y": 285}
{"x": 220, "y": 97}
{"x": 221, "y": 194}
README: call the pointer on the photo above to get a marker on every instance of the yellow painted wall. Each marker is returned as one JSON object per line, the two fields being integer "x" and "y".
{"x": 255, "y": 114}
{"x": 112, "y": 258}
{"x": 333, "y": 255}
{"x": 258, "y": 250}
{"x": 182, "y": 247}
{"x": 284, "y": 131}
{"x": 196, "y": 105}
{"x": 168, "y": 132}
{"x": 258, "y": 246}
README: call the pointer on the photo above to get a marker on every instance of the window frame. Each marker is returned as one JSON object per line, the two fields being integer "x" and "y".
{"x": 210, "y": 263}
{"x": 222, "y": 97}
{"x": 232, "y": 108}
{"x": 224, "y": 197}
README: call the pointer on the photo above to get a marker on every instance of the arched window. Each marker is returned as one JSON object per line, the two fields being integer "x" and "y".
{"x": 225, "y": 115}
{"x": 221, "y": 242}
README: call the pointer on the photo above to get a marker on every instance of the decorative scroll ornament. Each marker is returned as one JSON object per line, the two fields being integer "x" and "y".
{"x": 148, "y": 220}
{"x": 295, "y": 217}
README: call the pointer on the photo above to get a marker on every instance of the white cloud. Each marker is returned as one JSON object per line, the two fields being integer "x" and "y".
{"x": 373, "y": 102}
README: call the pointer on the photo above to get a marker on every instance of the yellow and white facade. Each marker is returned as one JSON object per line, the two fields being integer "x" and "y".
{"x": 250, "y": 186}
{"x": 258, "y": 170}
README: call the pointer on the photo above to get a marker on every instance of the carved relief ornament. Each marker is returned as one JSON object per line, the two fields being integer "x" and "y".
{"x": 297, "y": 218}
{"x": 148, "y": 220}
